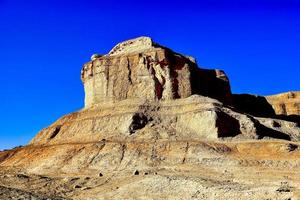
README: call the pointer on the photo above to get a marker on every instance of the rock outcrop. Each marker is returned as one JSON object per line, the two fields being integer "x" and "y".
{"x": 142, "y": 69}
{"x": 285, "y": 103}
{"x": 153, "y": 123}
{"x": 144, "y": 91}
{"x": 194, "y": 117}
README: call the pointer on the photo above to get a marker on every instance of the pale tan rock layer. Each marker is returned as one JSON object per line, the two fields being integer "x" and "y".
{"x": 195, "y": 118}
{"x": 285, "y": 103}
{"x": 152, "y": 170}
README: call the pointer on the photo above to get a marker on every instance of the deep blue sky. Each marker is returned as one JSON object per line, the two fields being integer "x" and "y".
{"x": 43, "y": 45}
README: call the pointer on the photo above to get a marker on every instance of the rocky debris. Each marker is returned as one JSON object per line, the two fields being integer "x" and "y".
{"x": 34, "y": 187}
{"x": 285, "y": 103}
{"x": 141, "y": 69}
{"x": 14, "y": 193}
{"x": 284, "y": 187}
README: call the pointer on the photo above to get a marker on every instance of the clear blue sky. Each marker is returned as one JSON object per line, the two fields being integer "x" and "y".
{"x": 43, "y": 45}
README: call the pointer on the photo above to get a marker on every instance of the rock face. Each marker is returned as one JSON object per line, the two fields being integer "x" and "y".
{"x": 194, "y": 117}
{"x": 142, "y": 69}
{"x": 143, "y": 91}
{"x": 153, "y": 123}
{"x": 285, "y": 103}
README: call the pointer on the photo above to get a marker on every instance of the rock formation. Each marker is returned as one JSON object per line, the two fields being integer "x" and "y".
{"x": 144, "y": 91}
{"x": 286, "y": 103}
{"x": 142, "y": 69}
{"x": 153, "y": 123}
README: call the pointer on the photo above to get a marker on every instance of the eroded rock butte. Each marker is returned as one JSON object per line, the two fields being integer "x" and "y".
{"x": 157, "y": 126}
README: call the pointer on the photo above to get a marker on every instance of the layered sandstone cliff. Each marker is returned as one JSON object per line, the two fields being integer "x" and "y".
{"x": 142, "y": 69}
{"x": 143, "y": 91}
{"x": 156, "y": 126}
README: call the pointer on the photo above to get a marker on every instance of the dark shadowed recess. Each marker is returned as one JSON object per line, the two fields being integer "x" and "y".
{"x": 230, "y": 126}
{"x": 139, "y": 121}
{"x": 254, "y": 105}
{"x": 292, "y": 118}
{"x": 55, "y": 132}
{"x": 258, "y": 106}
{"x": 206, "y": 82}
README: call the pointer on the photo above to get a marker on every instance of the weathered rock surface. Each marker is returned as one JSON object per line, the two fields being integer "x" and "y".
{"x": 195, "y": 117}
{"x": 153, "y": 170}
{"x": 155, "y": 126}
{"x": 140, "y": 68}
{"x": 285, "y": 103}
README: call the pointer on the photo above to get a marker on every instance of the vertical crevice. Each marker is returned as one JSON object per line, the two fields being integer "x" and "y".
{"x": 107, "y": 77}
{"x": 129, "y": 71}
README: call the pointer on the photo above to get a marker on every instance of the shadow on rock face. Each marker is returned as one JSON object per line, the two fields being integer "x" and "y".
{"x": 254, "y": 105}
{"x": 227, "y": 125}
{"x": 265, "y": 132}
{"x": 55, "y": 132}
{"x": 258, "y": 106}
{"x": 211, "y": 83}
{"x": 292, "y": 118}
{"x": 139, "y": 121}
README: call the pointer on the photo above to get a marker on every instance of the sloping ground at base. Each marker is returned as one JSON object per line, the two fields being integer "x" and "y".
{"x": 158, "y": 170}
